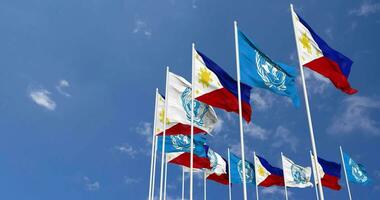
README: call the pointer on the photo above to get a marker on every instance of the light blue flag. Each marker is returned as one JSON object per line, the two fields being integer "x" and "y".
{"x": 258, "y": 70}
{"x": 236, "y": 169}
{"x": 181, "y": 143}
{"x": 355, "y": 172}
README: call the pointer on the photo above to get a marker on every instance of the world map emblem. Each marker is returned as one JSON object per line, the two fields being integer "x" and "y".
{"x": 249, "y": 173}
{"x": 299, "y": 174}
{"x": 200, "y": 109}
{"x": 180, "y": 142}
{"x": 358, "y": 172}
{"x": 272, "y": 77}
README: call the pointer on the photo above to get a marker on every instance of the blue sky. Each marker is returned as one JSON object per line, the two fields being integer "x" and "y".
{"x": 78, "y": 78}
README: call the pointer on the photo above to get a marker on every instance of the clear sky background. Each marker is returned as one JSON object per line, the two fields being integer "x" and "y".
{"x": 77, "y": 86}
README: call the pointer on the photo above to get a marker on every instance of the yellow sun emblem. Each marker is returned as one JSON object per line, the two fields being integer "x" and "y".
{"x": 161, "y": 115}
{"x": 305, "y": 42}
{"x": 204, "y": 77}
{"x": 261, "y": 171}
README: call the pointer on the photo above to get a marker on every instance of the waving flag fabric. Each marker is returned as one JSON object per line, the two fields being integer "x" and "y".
{"x": 181, "y": 143}
{"x": 215, "y": 87}
{"x": 329, "y": 173}
{"x": 179, "y": 108}
{"x": 236, "y": 169}
{"x": 356, "y": 173}
{"x": 317, "y": 55}
{"x": 258, "y": 70}
{"x": 218, "y": 170}
{"x": 183, "y": 159}
{"x": 296, "y": 175}
{"x": 266, "y": 174}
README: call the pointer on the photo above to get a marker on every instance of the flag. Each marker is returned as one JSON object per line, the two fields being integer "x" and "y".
{"x": 266, "y": 174}
{"x": 355, "y": 172}
{"x": 236, "y": 170}
{"x": 183, "y": 159}
{"x": 296, "y": 175}
{"x": 317, "y": 55}
{"x": 181, "y": 143}
{"x": 179, "y": 108}
{"x": 215, "y": 87}
{"x": 258, "y": 70}
{"x": 218, "y": 170}
{"x": 329, "y": 173}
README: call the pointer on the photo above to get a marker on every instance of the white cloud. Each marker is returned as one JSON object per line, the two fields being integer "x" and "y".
{"x": 328, "y": 32}
{"x": 262, "y": 100}
{"x": 41, "y": 97}
{"x": 283, "y": 137}
{"x": 366, "y": 8}
{"x": 91, "y": 185}
{"x": 218, "y": 126}
{"x": 315, "y": 82}
{"x": 274, "y": 191}
{"x": 127, "y": 149}
{"x": 145, "y": 129}
{"x": 194, "y": 4}
{"x": 256, "y": 131}
{"x": 356, "y": 115}
{"x": 129, "y": 180}
{"x": 62, "y": 84}
{"x": 141, "y": 27}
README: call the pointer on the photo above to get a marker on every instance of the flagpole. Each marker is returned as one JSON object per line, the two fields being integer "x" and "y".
{"x": 166, "y": 177}
{"x": 192, "y": 122}
{"x": 345, "y": 172}
{"x": 152, "y": 161}
{"x": 183, "y": 183}
{"x": 229, "y": 175}
{"x": 154, "y": 167}
{"x": 286, "y": 190}
{"x": 240, "y": 109}
{"x": 164, "y": 133}
{"x": 315, "y": 176}
{"x": 314, "y": 148}
{"x": 204, "y": 186}
{"x": 257, "y": 188}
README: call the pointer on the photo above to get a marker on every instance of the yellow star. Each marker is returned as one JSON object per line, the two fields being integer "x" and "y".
{"x": 162, "y": 116}
{"x": 305, "y": 42}
{"x": 261, "y": 171}
{"x": 204, "y": 77}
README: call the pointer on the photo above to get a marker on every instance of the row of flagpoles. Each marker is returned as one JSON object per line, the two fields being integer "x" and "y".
{"x": 186, "y": 107}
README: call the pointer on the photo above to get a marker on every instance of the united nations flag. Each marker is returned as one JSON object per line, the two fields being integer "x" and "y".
{"x": 356, "y": 172}
{"x": 258, "y": 70}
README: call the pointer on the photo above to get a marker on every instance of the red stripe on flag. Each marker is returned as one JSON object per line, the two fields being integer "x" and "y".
{"x": 198, "y": 162}
{"x": 272, "y": 180}
{"x": 179, "y": 128}
{"x": 331, "y": 182}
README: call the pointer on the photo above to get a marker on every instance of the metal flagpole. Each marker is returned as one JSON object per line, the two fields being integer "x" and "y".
{"x": 192, "y": 122}
{"x": 153, "y": 146}
{"x": 164, "y": 133}
{"x": 257, "y": 188}
{"x": 166, "y": 177}
{"x": 315, "y": 176}
{"x": 240, "y": 109}
{"x": 229, "y": 175}
{"x": 183, "y": 183}
{"x": 345, "y": 172}
{"x": 154, "y": 167}
{"x": 204, "y": 186}
{"x": 286, "y": 190}
{"x": 314, "y": 148}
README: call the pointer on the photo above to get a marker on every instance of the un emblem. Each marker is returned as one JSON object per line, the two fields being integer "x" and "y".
{"x": 358, "y": 172}
{"x": 272, "y": 77}
{"x": 249, "y": 173}
{"x": 180, "y": 142}
{"x": 200, "y": 109}
{"x": 299, "y": 174}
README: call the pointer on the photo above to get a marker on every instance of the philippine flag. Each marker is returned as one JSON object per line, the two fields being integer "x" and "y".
{"x": 183, "y": 159}
{"x": 317, "y": 55}
{"x": 215, "y": 87}
{"x": 266, "y": 174}
{"x": 330, "y": 173}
